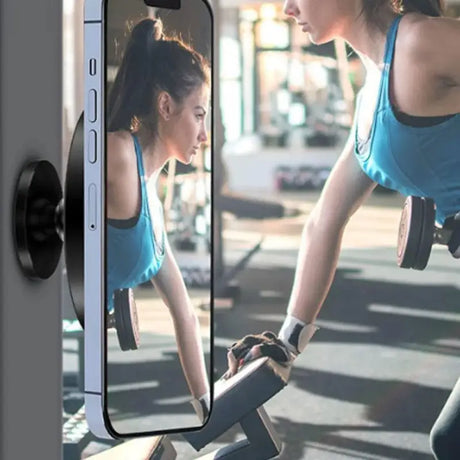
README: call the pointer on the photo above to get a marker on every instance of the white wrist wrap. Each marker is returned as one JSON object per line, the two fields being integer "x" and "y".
{"x": 201, "y": 406}
{"x": 206, "y": 398}
{"x": 295, "y": 334}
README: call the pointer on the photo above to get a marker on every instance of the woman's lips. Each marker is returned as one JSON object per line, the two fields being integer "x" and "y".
{"x": 304, "y": 25}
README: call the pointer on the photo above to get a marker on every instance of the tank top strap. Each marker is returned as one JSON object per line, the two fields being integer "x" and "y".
{"x": 388, "y": 57}
{"x": 140, "y": 169}
{"x": 391, "y": 40}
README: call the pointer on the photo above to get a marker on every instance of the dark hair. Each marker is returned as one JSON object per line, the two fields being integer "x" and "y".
{"x": 372, "y": 8}
{"x": 152, "y": 63}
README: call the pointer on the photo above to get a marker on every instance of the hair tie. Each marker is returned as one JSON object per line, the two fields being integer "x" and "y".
{"x": 146, "y": 31}
{"x": 398, "y": 5}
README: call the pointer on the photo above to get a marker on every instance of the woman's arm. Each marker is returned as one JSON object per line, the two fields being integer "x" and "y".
{"x": 345, "y": 190}
{"x": 170, "y": 285}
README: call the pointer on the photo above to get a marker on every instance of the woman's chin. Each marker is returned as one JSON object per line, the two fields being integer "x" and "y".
{"x": 317, "y": 39}
{"x": 185, "y": 159}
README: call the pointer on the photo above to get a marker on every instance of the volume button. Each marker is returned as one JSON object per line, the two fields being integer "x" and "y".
{"x": 92, "y": 106}
{"x": 92, "y": 207}
{"x": 92, "y": 146}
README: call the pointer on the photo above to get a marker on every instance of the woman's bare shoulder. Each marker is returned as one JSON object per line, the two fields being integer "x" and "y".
{"x": 119, "y": 145}
{"x": 431, "y": 44}
{"x": 119, "y": 153}
{"x": 120, "y": 148}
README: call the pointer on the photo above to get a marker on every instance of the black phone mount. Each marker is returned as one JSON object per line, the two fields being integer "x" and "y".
{"x": 44, "y": 219}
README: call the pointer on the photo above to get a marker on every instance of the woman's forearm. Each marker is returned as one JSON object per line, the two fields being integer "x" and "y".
{"x": 188, "y": 339}
{"x": 346, "y": 189}
{"x": 316, "y": 265}
{"x": 171, "y": 287}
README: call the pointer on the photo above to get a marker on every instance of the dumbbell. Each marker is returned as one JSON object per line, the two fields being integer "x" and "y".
{"x": 418, "y": 232}
{"x": 124, "y": 319}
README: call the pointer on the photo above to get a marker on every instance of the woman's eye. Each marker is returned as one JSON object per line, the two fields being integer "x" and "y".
{"x": 200, "y": 116}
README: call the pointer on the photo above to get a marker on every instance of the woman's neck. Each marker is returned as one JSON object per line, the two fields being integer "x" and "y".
{"x": 153, "y": 154}
{"x": 369, "y": 40}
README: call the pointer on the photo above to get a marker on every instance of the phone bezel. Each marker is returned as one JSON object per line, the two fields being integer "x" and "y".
{"x": 94, "y": 241}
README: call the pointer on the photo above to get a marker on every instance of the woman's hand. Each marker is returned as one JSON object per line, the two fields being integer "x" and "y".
{"x": 255, "y": 346}
{"x": 283, "y": 348}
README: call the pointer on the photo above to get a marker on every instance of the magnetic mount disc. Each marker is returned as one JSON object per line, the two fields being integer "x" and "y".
{"x": 74, "y": 221}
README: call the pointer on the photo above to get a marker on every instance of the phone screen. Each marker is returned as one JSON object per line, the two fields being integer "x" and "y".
{"x": 158, "y": 138}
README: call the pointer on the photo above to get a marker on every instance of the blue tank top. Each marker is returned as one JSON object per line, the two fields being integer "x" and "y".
{"x": 133, "y": 254}
{"x": 420, "y": 161}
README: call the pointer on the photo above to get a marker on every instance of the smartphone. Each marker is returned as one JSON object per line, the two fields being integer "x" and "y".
{"x": 147, "y": 186}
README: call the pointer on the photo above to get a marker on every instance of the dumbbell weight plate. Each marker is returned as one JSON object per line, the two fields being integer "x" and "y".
{"x": 126, "y": 320}
{"x": 426, "y": 235}
{"x": 409, "y": 231}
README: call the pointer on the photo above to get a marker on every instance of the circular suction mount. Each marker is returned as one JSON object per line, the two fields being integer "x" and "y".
{"x": 43, "y": 220}
{"x": 38, "y": 219}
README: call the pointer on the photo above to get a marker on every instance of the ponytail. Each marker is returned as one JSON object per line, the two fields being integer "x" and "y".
{"x": 152, "y": 63}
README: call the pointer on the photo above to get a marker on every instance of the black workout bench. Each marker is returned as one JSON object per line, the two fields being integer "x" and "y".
{"x": 239, "y": 400}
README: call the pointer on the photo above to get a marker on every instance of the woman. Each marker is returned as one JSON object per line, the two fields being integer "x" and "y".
{"x": 156, "y": 111}
{"x": 405, "y": 136}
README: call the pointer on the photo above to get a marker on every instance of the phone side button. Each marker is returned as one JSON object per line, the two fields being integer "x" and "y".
{"x": 92, "y": 207}
{"x": 92, "y": 108}
{"x": 92, "y": 66}
{"x": 92, "y": 146}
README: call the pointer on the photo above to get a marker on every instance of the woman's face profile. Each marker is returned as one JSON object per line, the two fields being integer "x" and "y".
{"x": 185, "y": 130}
{"x": 323, "y": 20}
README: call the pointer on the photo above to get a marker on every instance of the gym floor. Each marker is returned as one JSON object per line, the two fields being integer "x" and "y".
{"x": 377, "y": 373}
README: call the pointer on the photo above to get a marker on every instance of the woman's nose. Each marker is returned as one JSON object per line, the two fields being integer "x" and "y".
{"x": 289, "y": 8}
{"x": 203, "y": 136}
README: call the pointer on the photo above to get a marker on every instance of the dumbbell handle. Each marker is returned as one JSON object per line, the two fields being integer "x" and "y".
{"x": 442, "y": 235}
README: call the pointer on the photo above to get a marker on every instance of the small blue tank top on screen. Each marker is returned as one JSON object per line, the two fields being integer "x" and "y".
{"x": 134, "y": 255}
{"x": 420, "y": 161}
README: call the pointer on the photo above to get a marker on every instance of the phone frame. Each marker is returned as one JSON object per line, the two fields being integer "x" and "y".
{"x": 95, "y": 214}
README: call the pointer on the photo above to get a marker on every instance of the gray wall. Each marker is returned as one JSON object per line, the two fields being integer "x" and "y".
{"x": 30, "y": 127}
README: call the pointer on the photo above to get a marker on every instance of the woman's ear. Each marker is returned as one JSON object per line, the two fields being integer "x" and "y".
{"x": 165, "y": 105}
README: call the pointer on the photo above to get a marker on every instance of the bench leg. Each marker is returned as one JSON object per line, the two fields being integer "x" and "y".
{"x": 261, "y": 443}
